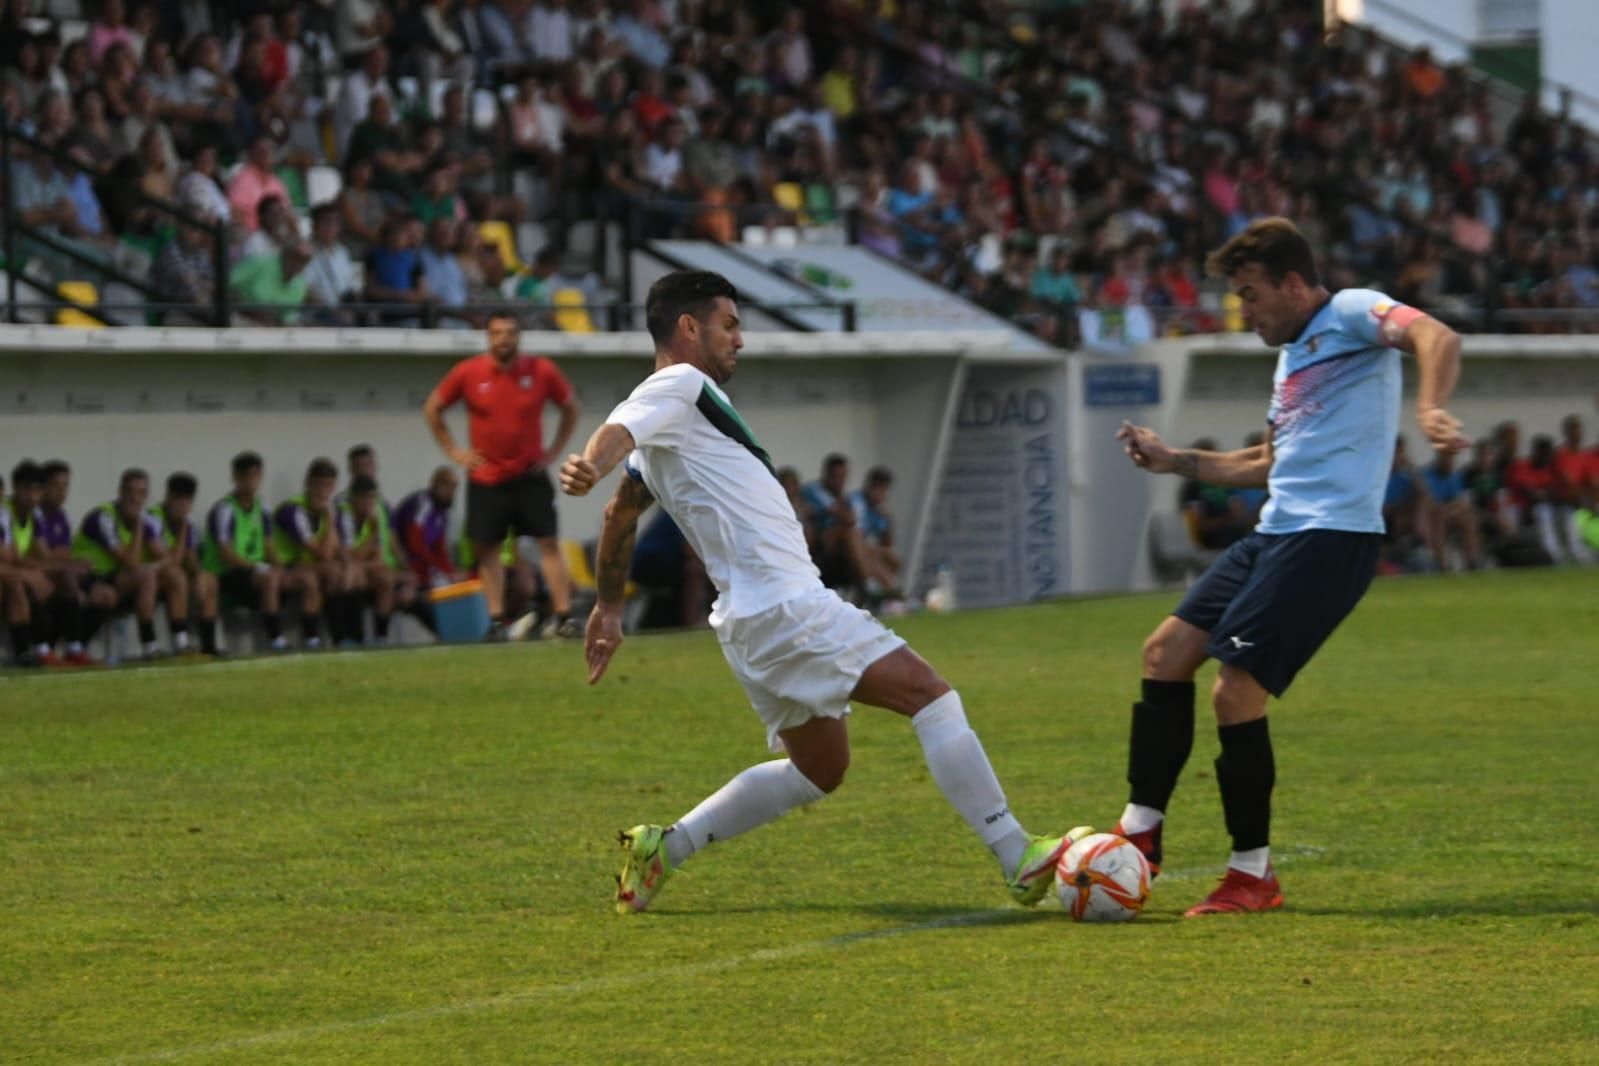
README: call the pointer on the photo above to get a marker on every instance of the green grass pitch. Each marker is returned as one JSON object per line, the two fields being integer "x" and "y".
{"x": 408, "y": 858}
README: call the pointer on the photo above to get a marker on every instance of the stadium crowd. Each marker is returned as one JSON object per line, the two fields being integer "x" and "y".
{"x": 1496, "y": 506}
{"x": 437, "y": 156}
{"x": 336, "y": 557}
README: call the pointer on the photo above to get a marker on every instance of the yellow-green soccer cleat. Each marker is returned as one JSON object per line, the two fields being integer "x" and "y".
{"x": 1036, "y": 872}
{"x": 646, "y": 870}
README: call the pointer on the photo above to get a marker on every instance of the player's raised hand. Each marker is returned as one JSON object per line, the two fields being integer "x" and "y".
{"x": 578, "y": 475}
{"x": 1442, "y": 430}
{"x": 1145, "y": 448}
{"x": 601, "y": 638}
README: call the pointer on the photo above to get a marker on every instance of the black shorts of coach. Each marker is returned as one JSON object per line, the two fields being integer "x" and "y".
{"x": 1273, "y": 599}
{"x": 524, "y": 506}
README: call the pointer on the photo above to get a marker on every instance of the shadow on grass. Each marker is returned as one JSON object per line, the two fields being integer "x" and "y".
{"x": 1507, "y": 907}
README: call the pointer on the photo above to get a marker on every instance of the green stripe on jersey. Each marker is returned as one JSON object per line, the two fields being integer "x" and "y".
{"x": 727, "y": 421}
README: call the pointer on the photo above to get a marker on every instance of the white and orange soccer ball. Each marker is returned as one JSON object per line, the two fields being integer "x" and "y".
{"x": 1103, "y": 878}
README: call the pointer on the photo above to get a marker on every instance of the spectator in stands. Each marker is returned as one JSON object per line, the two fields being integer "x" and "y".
{"x": 92, "y": 141}
{"x": 394, "y": 268}
{"x": 238, "y": 550}
{"x": 330, "y": 279}
{"x": 172, "y": 544}
{"x": 1449, "y": 513}
{"x": 370, "y": 541}
{"x": 208, "y": 87}
{"x": 277, "y": 229}
{"x": 271, "y": 288}
{"x": 305, "y": 532}
{"x": 254, "y": 182}
{"x": 109, "y": 29}
{"x": 442, "y": 274}
{"x": 200, "y": 190}
{"x": 436, "y": 198}
{"x": 44, "y": 200}
{"x": 185, "y": 274}
{"x": 1402, "y": 507}
{"x": 1215, "y": 516}
{"x": 421, "y": 528}
{"x": 361, "y": 210}
{"x": 111, "y": 539}
{"x": 29, "y": 591}
{"x": 635, "y": 28}
{"x": 396, "y": 165}
{"x": 357, "y": 93}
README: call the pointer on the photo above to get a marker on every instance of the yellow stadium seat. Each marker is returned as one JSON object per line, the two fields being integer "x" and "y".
{"x": 582, "y": 574}
{"x": 790, "y": 196}
{"x": 571, "y": 314}
{"x": 84, "y": 294}
{"x": 499, "y": 235}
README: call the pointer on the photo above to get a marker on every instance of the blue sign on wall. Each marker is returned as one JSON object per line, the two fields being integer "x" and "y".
{"x": 1122, "y": 385}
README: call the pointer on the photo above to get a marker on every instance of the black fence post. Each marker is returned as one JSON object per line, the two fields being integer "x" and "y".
{"x": 848, "y": 309}
{"x": 220, "y": 313}
{"x": 9, "y": 216}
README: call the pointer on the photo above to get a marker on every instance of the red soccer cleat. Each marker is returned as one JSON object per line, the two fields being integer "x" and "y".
{"x": 1147, "y": 842}
{"x": 50, "y": 658}
{"x": 1240, "y": 892}
{"x": 78, "y": 658}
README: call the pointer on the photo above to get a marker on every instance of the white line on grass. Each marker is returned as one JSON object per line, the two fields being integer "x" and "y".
{"x": 525, "y": 997}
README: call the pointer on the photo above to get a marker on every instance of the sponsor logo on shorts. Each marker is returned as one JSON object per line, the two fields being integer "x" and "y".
{"x": 1240, "y": 643}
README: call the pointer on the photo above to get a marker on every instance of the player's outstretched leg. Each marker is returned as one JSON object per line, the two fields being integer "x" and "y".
{"x": 902, "y": 681}
{"x": 1162, "y": 733}
{"x": 1246, "y": 771}
{"x": 762, "y": 793}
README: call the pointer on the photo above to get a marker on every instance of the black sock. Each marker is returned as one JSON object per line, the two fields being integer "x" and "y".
{"x": 333, "y": 609}
{"x": 355, "y": 616}
{"x": 146, "y": 632}
{"x": 208, "y": 635}
{"x": 380, "y": 625}
{"x": 422, "y": 611}
{"x": 21, "y": 638}
{"x": 64, "y": 611}
{"x": 41, "y": 627}
{"x": 1246, "y": 772}
{"x": 273, "y": 621}
{"x": 1163, "y": 735}
{"x": 311, "y": 625}
{"x": 90, "y": 618}
{"x": 181, "y": 625}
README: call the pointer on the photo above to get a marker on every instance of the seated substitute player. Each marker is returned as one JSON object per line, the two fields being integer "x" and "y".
{"x": 364, "y": 529}
{"x": 799, "y": 651}
{"x": 173, "y": 544}
{"x": 111, "y": 539}
{"x": 54, "y": 544}
{"x": 422, "y": 529}
{"x": 1273, "y": 598}
{"x": 28, "y": 590}
{"x": 305, "y": 533}
{"x": 238, "y": 551}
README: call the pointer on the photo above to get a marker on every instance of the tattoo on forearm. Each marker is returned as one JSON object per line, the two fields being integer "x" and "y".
{"x": 1187, "y": 464}
{"x": 615, "y": 551}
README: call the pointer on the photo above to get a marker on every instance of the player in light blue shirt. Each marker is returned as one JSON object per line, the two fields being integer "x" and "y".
{"x": 1271, "y": 600}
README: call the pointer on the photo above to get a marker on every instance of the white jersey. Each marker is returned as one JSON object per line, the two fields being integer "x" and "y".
{"x": 698, "y": 458}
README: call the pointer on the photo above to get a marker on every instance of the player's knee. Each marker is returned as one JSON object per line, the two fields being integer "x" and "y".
{"x": 1167, "y": 658}
{"x": 826, "y": 772}
{"x": 1237, "y": 697}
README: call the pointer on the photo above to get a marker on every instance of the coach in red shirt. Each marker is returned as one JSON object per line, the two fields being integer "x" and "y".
{"x": 508, "y": 489}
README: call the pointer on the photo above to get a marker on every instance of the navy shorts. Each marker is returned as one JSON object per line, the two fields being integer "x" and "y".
{"x": 1272, "y": 599}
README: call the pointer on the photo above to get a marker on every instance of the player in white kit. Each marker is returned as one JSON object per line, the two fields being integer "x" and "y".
{"x": 801, "y": 653}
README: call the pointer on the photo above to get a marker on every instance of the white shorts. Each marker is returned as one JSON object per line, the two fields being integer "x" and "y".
{"x": 802, "y": 659}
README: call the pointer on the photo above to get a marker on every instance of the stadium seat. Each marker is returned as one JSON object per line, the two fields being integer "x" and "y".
{"x": 84, "y": 294}
{"x": 323, "y": 185}
{"x": 530, "y": 238}
{"x": 755, "y": 236}
{"x": 790, "y": 196}
{"x": 571, "y": 312}
{"x": 499, "y": 235}
{"x": 485, "y": 110}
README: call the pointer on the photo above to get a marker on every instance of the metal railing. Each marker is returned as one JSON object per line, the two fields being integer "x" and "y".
{"x": 11, "y": 139}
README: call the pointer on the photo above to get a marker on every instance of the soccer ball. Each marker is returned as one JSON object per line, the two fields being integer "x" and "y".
{"x": 1103, "y": 878}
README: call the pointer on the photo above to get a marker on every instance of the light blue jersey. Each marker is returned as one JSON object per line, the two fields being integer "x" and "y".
{"x": 1334, "y": 415}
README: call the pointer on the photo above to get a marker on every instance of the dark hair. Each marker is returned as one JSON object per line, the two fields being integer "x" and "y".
{"x": 54, "y": 467}
{"x": 833, "y": 462}
{"x": 1274, "y": 243}
{"x": 879, "y": 475}
{"x": 362, "y": 486}
{"x": 245, "y": 462}
{"x": 321, "y": 467}
{"x": 183, "y": 486}
{"x": 683, "y": 292}
{"x": 132, "y": 473}
{"x": 359, "y": 451}
{"x": 323, "y": 210}
{"x": 27, "y": 472}
{"x": 504, "y": 312}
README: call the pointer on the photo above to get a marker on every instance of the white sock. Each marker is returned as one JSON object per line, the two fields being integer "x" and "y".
{"x": 180, "y": 640}
{"x": 151, "y": 648}
{"x": 1254, "y": 862}
{"x": 761, "y": 794}
{"x": 1139, "y": 819}
{"x": 74, "y": 647}
{"x": 41, "y": 649}
{"x": 960, "y": 768}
